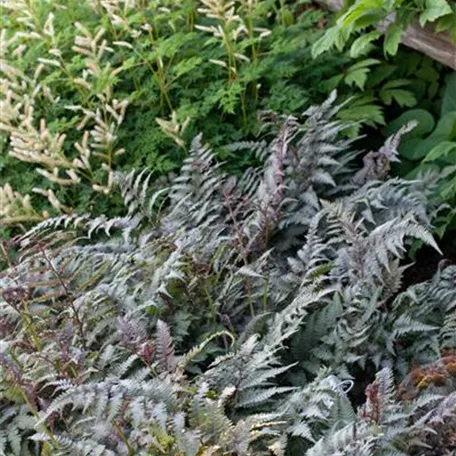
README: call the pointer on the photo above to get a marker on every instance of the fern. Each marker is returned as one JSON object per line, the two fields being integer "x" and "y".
{"x": 232, "y": 316}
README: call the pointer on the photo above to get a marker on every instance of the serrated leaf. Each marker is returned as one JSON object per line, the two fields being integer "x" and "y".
{"x": 362, "y": 45}
{"x": 326, "y": 42}
{"x": 393, "y": 38}
{"x": 400, "y": 96}
{"x": 357, "y": 77}
{"x": 368, "y": 113}
{"x": 185, "y": 66}
{"x": 357, "y": 74}
{"x": 434, "y": 10}
{"x": 448, "y": 189}
{"x": 369, "y": 10}
{"x": 441, "y": 150}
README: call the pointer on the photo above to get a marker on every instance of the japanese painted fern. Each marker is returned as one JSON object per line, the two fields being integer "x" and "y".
{"x": 232, "y": 316}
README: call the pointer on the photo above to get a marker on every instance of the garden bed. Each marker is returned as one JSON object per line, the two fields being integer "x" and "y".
{"x": 227, "y": 229}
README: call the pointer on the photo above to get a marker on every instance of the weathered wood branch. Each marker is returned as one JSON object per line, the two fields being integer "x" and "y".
{"x": 438, "y": 46}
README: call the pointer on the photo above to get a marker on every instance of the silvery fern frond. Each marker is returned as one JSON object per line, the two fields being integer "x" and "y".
{"x": 230, "y": 316}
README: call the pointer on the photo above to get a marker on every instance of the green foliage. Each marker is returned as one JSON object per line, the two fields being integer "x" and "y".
{"x": 360, "y": 15}
{"x": 432, "y": 147}
{"x": 407, "y": 80}
{"x": 167, "y": 330}
{"x": 114, "y": 85}
{"x": 182, "y": 67}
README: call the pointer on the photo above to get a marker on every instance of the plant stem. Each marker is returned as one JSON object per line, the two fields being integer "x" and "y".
{"x": 211, "y": 305}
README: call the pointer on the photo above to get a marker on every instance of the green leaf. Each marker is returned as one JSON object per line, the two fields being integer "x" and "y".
{"x": 411, "y": 149}
{"x": 357, "y": 74}
{"x": 395, "y": 83}
{"x": 326, "y": 42}
{"x": 449, "y": 191}
{"x": 447, "y": 24}
{"x": 362, "y": 108}
{"x": 447, "y": 188}
{"x": 417, "y": 148}
{"x": 428, "y": 73}
{"x": 449, "y": 96}
{"x": 365, "y": 63}
{"x": 422, "y": 169}
{"x": 228, "y": 97}
{"x": 440, "y": 151}
{"x": 185, "y": 66}
{"x": 434, "y": 10}
{"x": 446, "y": 127}
{"x": 286, "y": 16}
{"x": 393, "y": 37}
{"x": 391, "y": 91}
{"x": 357, "y": 77}
{"x": 362, "y": 45}
{"x": 425, "y": 124}
{"x": 360, "y": 9}
{"x": 400, "y": 96}
{"x": 330, "y": 84}
{"x": 380, "y": 74}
